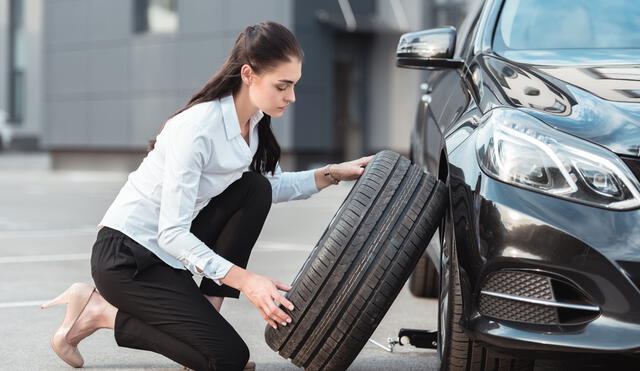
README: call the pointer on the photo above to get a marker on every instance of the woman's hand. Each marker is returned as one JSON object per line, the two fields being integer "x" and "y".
{"x": 350, "y": 170}
{"x": 262, "y": 292}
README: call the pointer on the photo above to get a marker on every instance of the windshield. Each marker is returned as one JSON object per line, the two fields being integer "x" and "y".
{"x": 568, "y": 24}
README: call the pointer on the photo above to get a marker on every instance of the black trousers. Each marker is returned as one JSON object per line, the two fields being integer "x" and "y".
{"x": 160, "y": 308}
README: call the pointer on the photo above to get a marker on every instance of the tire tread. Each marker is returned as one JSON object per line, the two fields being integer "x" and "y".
{"x": 360, "y": 263}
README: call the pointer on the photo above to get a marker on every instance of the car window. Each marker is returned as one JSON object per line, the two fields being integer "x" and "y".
{"x": 568, "y": 24}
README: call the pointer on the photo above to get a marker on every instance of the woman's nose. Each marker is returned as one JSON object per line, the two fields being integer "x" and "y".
{"x": 291, "y": 97}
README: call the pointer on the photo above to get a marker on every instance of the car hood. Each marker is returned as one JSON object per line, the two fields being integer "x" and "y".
{"x": 597, "y": 102}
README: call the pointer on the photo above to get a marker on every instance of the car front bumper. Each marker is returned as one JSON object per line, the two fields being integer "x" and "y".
{"x": 593, "y": 251}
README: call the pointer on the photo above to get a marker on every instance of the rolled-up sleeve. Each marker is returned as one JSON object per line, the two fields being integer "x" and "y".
{"x": 287, "y": 186}
{"x": 186, "y": 153}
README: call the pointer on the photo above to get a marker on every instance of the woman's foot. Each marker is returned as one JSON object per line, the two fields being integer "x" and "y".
{"x": 86, "y": 312}
{"x": 76, "y": 298}
{"x": 97, "y": 314}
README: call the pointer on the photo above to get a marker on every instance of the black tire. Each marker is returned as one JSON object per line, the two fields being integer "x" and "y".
{"x": 457, "y": 351}
{"x": 361, "y": 262}
{"x": 425, "y": 281}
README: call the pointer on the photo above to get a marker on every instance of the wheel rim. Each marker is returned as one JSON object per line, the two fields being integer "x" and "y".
{"x": 445, "y": 283}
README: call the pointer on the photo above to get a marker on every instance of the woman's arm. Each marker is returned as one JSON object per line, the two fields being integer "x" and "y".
{"x": 262, "y": 292}
{"x": 287, "y": 186}
{"x": 188, "y": 149}
{"x": 350, "y": 170}
{"x": 187, "y": 152}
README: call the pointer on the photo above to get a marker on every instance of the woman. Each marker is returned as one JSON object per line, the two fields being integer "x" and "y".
{"x": 195, "y": 206}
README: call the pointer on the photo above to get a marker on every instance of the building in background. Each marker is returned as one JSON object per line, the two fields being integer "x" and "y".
{"x": 91, "y": 81}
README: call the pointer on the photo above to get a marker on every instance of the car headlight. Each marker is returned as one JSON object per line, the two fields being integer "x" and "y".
{"x": 519, "y": 149}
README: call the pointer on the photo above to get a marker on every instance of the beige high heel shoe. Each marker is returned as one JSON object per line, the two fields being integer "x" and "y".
{"x": 76, "y": 297}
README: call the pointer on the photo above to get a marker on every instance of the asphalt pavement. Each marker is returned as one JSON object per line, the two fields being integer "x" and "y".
{"x": 48, "y": 226}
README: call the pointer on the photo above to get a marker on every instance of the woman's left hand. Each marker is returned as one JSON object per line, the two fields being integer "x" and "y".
{"x": 350, "y": 170}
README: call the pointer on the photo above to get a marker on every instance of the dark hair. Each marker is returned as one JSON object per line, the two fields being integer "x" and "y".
{"x": 262, "y": 47}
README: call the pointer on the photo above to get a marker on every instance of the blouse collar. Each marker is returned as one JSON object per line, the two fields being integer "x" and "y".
{"x": 230, "y": 117}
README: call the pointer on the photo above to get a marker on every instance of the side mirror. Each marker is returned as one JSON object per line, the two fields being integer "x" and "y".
{"x": 428, "y": 49}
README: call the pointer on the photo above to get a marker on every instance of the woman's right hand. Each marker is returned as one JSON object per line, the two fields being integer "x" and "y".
{"x": 262, "y": 292}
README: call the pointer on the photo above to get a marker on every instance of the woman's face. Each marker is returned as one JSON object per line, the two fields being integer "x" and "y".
{"x": 272, "y": 90}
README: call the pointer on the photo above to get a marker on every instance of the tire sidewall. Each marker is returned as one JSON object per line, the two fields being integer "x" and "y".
{"x": 445, "y": 301}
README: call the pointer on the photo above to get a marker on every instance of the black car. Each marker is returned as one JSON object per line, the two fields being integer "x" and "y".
{"x": 531, "y": 116}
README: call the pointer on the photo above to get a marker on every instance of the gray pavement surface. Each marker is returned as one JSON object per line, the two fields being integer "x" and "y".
{"x": 48, "y": 225}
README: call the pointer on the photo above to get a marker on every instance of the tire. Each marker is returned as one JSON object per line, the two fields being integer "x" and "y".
{"x": 425, "y": 281}
{"x": 457, "y": 351}
{"x": 361, "y": 262}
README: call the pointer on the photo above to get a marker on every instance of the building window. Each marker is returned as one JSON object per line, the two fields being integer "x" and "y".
{"x": 17, "y": 61}
{"x": 155, "y": 16}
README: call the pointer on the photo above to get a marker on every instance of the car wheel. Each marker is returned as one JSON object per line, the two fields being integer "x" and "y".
{"x": 456, "y": 350}
{"x": 424, "y": 281}
{"x": 360, "y": 264}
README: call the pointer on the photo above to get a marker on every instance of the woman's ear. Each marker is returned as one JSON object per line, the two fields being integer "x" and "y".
{"x": 246, "y": 72}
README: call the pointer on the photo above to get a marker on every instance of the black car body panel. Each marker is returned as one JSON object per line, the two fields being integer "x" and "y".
{"x": 499, "y": 227}
{"x": 504, "y": 227}
{"x": 599, "y": 103}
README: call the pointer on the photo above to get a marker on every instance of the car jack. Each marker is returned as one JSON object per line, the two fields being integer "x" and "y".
{"x": 418, "y": 338}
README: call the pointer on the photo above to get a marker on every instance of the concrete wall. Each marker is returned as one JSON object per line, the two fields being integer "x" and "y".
{"x": 109, "y": 88}
{"x": 27, "y": 133}
{"x": 4, "y": 53}
{"x": 394, "y": 91}
{"x": 394, "y": 98}
{"x": 94, "y": 87}
{"x": 390, "y": 94}
{"x": 314, "y": 106}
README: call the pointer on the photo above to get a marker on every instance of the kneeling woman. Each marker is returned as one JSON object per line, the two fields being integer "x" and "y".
{"x": 196, "y": 206}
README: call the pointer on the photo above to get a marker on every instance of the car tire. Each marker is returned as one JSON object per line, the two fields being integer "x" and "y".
{"x": 457, "y": 351}
{"x": 360, "y": 264}
{"x": 424, "y": 281}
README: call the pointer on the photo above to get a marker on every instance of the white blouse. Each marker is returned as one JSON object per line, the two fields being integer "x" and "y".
{"x": 197, "y": 155}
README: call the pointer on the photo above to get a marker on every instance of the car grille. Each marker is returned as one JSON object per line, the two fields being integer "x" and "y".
{"x": 517, "y": 311}
{"x": 526, "y": 297}
{"x": 521, "y": 284}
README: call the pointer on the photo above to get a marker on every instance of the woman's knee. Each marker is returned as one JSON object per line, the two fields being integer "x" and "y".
{"x": 259, "y": 186}
{"x": 235, "y": 357}
{"x": 241, "y": 355}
